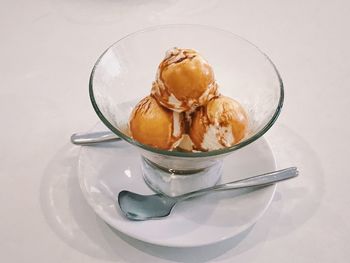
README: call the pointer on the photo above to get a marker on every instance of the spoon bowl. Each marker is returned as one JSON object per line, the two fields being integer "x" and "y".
{"x": 141, "y": 207}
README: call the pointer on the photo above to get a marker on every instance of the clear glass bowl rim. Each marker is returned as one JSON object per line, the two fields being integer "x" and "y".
{"x": 226, "y": 150}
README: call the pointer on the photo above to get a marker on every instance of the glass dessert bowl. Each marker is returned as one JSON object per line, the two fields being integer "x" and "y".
{"x": 124, "y": 74}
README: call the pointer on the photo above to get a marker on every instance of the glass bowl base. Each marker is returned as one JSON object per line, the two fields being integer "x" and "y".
{"x": 177, "y": 182}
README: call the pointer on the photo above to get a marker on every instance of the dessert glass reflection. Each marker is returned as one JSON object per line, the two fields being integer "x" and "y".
{"x": 121, "y": 80}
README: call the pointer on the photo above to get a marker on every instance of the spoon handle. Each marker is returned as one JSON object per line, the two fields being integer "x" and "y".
{"x": 259, "y": 180}
{"x": 93, "y": 137}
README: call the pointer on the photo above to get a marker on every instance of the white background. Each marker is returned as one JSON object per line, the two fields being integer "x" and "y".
{"x": 47, "y": 49}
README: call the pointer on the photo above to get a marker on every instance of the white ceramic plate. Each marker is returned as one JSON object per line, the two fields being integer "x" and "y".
{"x": 105, "y": 170}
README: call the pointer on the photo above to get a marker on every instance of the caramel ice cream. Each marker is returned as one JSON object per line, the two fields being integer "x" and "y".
{"x": 185, "y": 110}
{"x": 221, "y": 123}
{"x": 184, "y": 81}
{"x": 156, "y": 126}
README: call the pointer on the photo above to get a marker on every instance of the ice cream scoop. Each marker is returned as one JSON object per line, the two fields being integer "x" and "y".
{"x": 221, "y": 123}
{"x": 156, "y": 126}
{"x": 184, "y": 80}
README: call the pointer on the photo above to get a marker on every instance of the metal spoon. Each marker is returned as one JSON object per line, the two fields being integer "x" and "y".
{"x": 143, "y": 207}
{"x": 88, "y": 138}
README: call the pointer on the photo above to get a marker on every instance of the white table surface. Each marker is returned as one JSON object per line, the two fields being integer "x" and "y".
{"x": 47, "y": 49}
